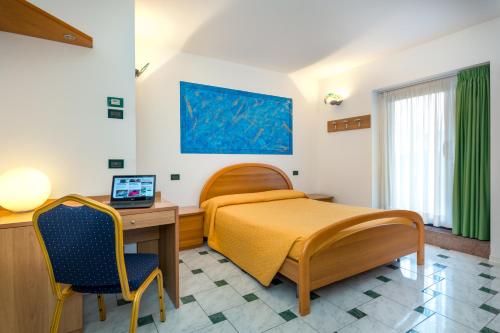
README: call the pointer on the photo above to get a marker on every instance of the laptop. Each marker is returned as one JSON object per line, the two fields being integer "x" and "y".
{"x": 133, "y": 191}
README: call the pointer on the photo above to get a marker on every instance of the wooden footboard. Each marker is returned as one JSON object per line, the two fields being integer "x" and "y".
{"x": 326, "y": 259}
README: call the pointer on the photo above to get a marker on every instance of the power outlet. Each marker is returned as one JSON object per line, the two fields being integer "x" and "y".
{"x": 175, "y": 176}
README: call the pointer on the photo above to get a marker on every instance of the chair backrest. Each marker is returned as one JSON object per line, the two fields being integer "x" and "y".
{"x": 81, "y": 242}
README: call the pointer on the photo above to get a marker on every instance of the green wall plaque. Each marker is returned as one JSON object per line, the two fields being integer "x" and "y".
{"x": 115, "y": 113}
{"x": 116, "y": 164}
{"x": 115, "y": 102}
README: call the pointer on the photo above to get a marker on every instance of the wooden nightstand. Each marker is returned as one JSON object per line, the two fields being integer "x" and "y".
{"x": 190, "y": 227}
{"x": 321, "y": 197}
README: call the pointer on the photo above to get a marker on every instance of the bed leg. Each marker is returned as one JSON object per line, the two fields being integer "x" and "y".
{"x": 420, "y": 256}
{"x": 304, "y": 288}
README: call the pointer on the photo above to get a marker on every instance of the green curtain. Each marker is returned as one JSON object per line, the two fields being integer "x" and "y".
{"x": 471, "y": 186}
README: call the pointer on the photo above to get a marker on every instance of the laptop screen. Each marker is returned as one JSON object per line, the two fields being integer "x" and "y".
{"x": 133, "y": 188}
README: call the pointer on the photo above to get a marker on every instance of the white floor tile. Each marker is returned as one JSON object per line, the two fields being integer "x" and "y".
{"x": 411, "y": 279}
{"x": 195, "y": 284}
{"x": 293, "y": 326}
{"x": 461, "y": 292}
{"x": 280, "y": 298}
{"x": 253, "y": 317}
{"x": 440, "y": 324}
{"x": 392, "y": 314}
{"x": 219, "y": 299}
{"x": 343, "y": 296}
{"x": 466, "y": 314}
{"x": 365, "y": 325}
{"x": 187, "y": 318}
{"x": 409, "y": 297}
{"x": 222, "y": 327}
{"x": 223, "y": 271}
{"x": 326, "y": 317}
{"x": 494, "y": 324}
{"x": 244, "y": 283}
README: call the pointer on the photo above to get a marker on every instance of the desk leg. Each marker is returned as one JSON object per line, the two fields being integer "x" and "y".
{"x": 169, "y": 259}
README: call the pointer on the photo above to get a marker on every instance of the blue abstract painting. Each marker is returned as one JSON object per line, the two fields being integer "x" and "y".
{"x": 218, "y": 120}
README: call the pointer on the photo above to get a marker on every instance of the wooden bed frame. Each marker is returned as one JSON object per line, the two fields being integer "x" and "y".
{"x": 325, "y": 260}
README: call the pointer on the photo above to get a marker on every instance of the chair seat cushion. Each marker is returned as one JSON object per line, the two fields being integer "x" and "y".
{"x": 139, "y": 266}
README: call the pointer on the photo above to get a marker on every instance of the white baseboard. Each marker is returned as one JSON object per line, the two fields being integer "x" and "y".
{"x": 495, "y": 260}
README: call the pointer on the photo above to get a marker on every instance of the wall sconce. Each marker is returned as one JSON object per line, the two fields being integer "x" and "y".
{"x": 333, "y": 99}
{"x": 138, "y": 72}
{"x": 23, "y": 189}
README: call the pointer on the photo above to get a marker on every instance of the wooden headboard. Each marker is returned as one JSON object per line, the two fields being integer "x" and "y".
{"x": 245, "y": 178}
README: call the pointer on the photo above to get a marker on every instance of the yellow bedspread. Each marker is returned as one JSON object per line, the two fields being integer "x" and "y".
{"x": 257, "y": 231}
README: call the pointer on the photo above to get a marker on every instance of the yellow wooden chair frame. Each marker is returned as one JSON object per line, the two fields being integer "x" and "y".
{"x": 63, "y": 293}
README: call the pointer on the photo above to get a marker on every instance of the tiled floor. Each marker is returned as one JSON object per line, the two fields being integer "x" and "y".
{"x": 453, "y": 292}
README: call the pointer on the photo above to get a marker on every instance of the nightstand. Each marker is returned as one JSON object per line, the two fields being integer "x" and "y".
{"x": 190, "y": 227}
{"x": 320, "y": 197}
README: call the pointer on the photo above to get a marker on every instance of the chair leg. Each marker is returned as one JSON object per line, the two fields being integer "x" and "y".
{"x": 102, "y": 307}
{"x": 137, "y": 298}
{"x": 159, "y": 282}
{"x": 135, "y": 312}
{"x": 56, "y": 317}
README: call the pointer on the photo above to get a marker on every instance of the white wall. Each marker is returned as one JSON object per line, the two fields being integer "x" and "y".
{"x": 53, "y": 112}
{"x": 347, "y": 172}
{"x": 158, "y": 124}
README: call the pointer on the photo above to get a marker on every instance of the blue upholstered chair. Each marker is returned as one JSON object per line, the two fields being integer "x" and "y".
{"x": 83, "y": 249}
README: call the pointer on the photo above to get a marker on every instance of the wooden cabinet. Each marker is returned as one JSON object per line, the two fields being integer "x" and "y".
{"x": 190, "y": 227}
{"x": 27, "y": 302}
{"x": 320, "y": 197}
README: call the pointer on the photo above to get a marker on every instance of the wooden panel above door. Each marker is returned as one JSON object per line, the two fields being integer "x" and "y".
{"x": 22, "y": 17}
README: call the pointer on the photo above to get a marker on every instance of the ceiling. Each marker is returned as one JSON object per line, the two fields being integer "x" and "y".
{"x": 321, "y": 37}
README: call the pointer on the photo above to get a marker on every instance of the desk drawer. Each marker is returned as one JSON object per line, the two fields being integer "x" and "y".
{"x": 148, "y": 219}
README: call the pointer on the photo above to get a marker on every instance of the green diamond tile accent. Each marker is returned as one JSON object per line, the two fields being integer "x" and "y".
{"x": 487, "y": 276}
{"x": 223, "y": 260}
{"x": 391, "y": 266}
{"x": 489, "y": 308}
{"x": 485, "y": 264}
{"x": 488, "y": 290}
{"x": 487, "y": 330}
{"x": 383, "y": 278}
{"x": 187, "y": 299}
{"x": 217, "y": 317}
{"x": 313, "y": 295}
{"x": 288, "y": 315}
{"x": 440, "y": 266}
{"x": 220, "y": 283}
{"x": 372, "y": 294}
{"x": 197, "y": 271}
{"x": 145, "y": 320}
{"x": 442, "y": 256}
{"x": 121, "y": 302}
{"x": 426, "y": 312}
{"x": 431, "y": 292}
{"x": 276, "y": 282}
{"x": 203, "y": 253}
{"x": 437, "y": 278}
{"x": 250, "y": 297}
{"x": 356, "y": 313}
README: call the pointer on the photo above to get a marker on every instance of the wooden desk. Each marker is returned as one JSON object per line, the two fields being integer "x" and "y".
{"x": 27, "y": 302}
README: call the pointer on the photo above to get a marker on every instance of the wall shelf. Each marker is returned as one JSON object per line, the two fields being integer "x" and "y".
{"x": 24, "y": 18}
{"x": 348, "y": 124}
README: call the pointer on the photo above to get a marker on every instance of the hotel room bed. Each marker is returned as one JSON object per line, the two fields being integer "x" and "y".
{"x": 253, "y": 217}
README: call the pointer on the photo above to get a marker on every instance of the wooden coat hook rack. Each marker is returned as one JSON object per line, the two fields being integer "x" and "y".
{"x": 348, "y": 124}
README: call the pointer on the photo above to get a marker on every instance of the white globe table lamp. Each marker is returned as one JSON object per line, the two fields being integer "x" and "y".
{"x": 23, "y": 189}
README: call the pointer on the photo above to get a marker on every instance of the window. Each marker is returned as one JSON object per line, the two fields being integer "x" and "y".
{"x": 416, "y": 138}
